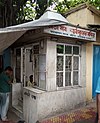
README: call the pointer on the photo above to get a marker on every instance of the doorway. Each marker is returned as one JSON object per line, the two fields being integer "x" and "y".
{"x": 26, "y": 64}
{"x": 96, "y": 68}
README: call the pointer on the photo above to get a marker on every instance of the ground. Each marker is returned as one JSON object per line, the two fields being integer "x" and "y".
{"x": 84, "y": 114}
{"x": 12, "y": 117}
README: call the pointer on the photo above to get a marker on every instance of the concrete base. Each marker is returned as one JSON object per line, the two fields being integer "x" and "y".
{"x": 38, "y": 104}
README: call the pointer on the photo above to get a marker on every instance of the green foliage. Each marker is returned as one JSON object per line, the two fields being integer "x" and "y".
{"x": 11, "y": 12}
{"x": 18, "y": 11}
{"x": 29, "y": 11}
{"x": 95, "y": 3}
{"x": 65, "y": 5}
{"x": 41, "y": 6}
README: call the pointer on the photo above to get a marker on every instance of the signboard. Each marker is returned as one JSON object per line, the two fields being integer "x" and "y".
{"x": 73, "y": 32}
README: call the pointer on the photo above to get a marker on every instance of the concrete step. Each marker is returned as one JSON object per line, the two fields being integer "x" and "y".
{"x": 18, "y": 110}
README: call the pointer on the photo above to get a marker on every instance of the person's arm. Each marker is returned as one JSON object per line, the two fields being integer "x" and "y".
{"x": 9, "y": 82}
{"x": 28, "y": 83}
{"x": 8, "y": 79}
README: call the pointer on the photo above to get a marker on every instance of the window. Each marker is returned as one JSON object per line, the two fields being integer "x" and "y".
{"x": 68, "y": 57}
{"x": 39, "y": 68}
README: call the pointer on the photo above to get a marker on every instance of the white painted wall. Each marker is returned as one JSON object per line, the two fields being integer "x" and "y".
{"x": 83, "y": 66}
{"x": 40, "y": 104}
{"x": 51, "y": 66}
{"x": 30, "y": 104}
{"x": 50, "y": 103}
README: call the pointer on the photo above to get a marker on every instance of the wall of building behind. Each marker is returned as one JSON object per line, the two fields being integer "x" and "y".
{"x": 78, "y": 17}
{"x": 89, "y": 57}
{"x": 92, "y": 18}
{"x": 83, "y": 17}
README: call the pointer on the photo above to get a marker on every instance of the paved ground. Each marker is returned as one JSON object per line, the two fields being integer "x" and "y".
{"x": 13, "y": 118}
{"x": 85, "y": 114}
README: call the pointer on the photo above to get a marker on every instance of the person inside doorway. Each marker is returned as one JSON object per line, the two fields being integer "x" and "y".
{"x": 5, "y": 89}
{"x": 30, "y": 82}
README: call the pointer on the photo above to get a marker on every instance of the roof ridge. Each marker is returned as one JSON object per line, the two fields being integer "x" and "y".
{"x": 82, "y": 6}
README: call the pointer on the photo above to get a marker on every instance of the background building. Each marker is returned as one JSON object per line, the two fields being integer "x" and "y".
{"x": 85, "y": 15}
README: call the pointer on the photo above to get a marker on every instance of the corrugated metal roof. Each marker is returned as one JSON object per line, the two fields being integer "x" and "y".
{"x": 10, "y": 34}
{"x": 53, "y": 16}
{"x": 49, "y": 18}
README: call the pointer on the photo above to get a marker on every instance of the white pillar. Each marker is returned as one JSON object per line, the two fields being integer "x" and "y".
{"x": 51, "y": 66}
